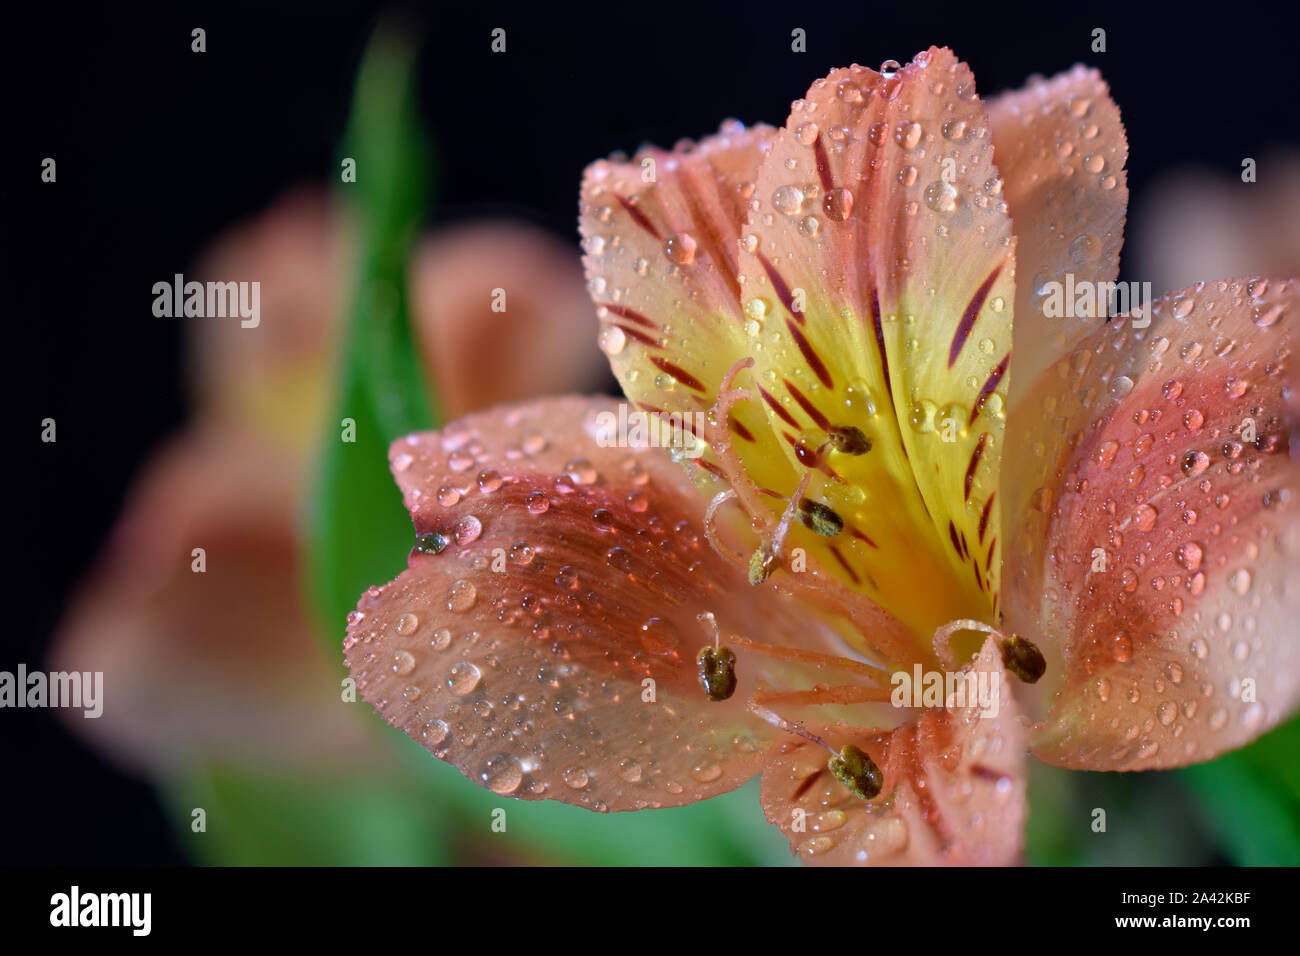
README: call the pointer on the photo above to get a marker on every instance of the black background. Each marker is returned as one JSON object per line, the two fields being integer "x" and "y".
{"x": 159, "y": 148}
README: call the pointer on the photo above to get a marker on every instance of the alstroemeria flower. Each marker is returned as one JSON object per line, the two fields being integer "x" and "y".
{"x": 886, "y": 485}
{"x": 224, "y": 667}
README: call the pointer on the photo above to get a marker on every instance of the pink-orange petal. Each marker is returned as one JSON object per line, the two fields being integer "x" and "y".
{"x": 953, "y": 794}
{"x": 550, "y": 650}
{"x": 880, "y": 274}
{"x": 1156, "y": 517}
{"x": 1060, "y": 147}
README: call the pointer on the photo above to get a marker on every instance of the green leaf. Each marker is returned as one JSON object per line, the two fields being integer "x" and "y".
{"x": 359, "y": 532}
{"x": 263, "y": 818}
{"x": 1250, "y": 799}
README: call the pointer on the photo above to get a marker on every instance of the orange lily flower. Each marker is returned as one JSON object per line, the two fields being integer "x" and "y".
{"x": 877, "y": 487}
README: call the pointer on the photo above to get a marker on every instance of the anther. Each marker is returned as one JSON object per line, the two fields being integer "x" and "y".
{"x": 858, "y": 772}
{"x": 848, "y": 439}
{"x": 430, "y": 543}
{"x": 761, "y": 563}
{"x": 1022, "y": 658}
{"x": 717, "y": 668}
{"x": 820, "y": 518}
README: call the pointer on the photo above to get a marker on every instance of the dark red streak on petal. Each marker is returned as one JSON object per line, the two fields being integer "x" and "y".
{"x": 968, "y": 317}
{"x": 638, "y": 216}
{"x": 739, "y": 429}
{"x": 683, "y": 376}
{"x": 975, "y": 457}
{"x": 638, "y": 336}
{"x": 880, "y": 342}
{"x": 778, "y": 408}
{"x": 809, "y": 408}
{"x": 984, "y": 515}
{"x": 823, "y": 165}
{"x": 780, "y": 286}
{"x": 810, "y": 355}
{"x": 706, "y": 234}
{"x": 988, "y": 388}
{"x": 628, "y": 314}
{"x": 956, "y": 543}
{"x": 853, "y": 575}
{"x": 862, "y": 537}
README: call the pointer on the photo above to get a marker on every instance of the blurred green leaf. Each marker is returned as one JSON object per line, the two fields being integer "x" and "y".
{"x": 359, "y": 532}
{"x": 262, "y": 818}
{"x": 729, "y": 830}
{"x": 1250, "y": 799}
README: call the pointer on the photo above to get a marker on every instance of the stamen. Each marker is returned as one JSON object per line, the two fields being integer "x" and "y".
{"x": 820, "y": 518}
{"x": 717, "y": 669}
{"x": 1023, "y": 658}
{"x": 711, "y": 529}
{"x": 848, "y": 439}
{"x": 844, "y": 694}
{"x": 858, "y": 772}
{"x": 847, "y": 664}
{"x": 943, "y": 638}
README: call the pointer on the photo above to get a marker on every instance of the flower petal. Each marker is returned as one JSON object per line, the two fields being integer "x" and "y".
{"x": 1061, "y": 149}
{"x": 954, "y": 786}
{"x": 574, "y": 572}
{"x": 1154, "y": 510}
{"x": 538, "y": 340}
{"x": 878, "y": 273}
{"x": 660, "y": 237}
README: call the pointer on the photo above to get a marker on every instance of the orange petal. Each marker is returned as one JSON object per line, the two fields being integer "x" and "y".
{"x": 878, "y": 270}
{"x": 954, "y": 786}
{"x": 1061, "y": 149}
{"x": 573, "y": 575}
{"x": 1155, "y": 537}
{"x": 540, "y": 339}
{"x": 662, "y": 266}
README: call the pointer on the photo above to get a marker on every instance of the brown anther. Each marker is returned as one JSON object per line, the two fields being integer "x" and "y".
{"x": 717, "y": 667}
{"x": 858, "y": 772}
{"x": 820, "y": 518}
{"x": 1022, "y": 658}
{"x": 848, "y": 439}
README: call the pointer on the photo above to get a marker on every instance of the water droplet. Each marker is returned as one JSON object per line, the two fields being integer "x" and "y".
{"x": 537, "y": 503}
{"x": 461, "y": 596}
{"x": 1195, "y": 462}
{"x": 581, "y": 471}
{"x": 788, "y": 200}
{"x": 575, "y": 778}
{"x": 1190, "y": 555}
{"x": 464, "y": 678}
{"x": 501, "y": 773}
{"x": 403, "y": 663}
{"x": 1094, "y": 162}
{"x": 680, "y": 248}
{"x": 407, "y": 623}
{"x": 941, "y": 196}
{"x": 612, "y": 340}
{"x": 806, "y": 133}
{"x": 441, "y": 639}
{"x": 838, "y": 204}
{"x": 468, "y": 529}
{"x": 908, "y": 135}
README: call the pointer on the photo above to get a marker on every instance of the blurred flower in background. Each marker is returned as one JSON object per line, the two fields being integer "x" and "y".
{"x": 1196, "y": 225}
{"x": 222, "y": 667}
